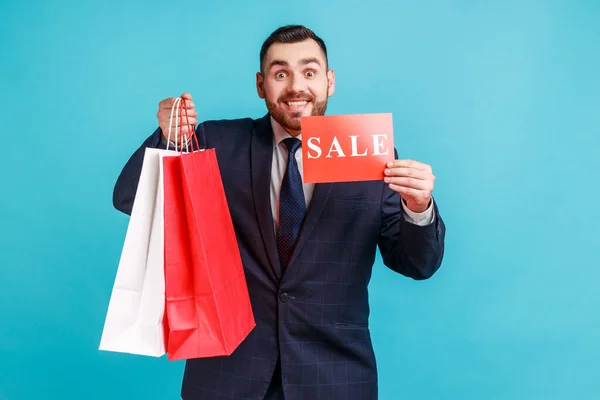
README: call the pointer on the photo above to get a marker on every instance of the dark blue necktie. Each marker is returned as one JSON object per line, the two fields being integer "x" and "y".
{"x": 292, "y": 206}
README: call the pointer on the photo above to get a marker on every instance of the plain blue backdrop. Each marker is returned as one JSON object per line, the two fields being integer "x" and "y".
{"x": 502, "y": 98}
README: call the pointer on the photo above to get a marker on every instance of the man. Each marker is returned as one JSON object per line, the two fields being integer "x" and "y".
{"x": 308, "y": 250}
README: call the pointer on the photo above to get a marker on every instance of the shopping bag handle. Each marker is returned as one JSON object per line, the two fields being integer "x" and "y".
{"x": 178, "y": 104}
{"x": 175, "y": 107}
{"x": 191, "y": 129}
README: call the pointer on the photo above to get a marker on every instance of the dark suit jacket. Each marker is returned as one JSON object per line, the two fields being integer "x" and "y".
{"x": 314, "y": 316}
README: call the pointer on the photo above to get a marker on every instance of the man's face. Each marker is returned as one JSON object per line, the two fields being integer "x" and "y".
{"x": 295, "y": 82}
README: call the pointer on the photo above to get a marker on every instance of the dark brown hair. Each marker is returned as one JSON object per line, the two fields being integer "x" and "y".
{"x": 290, "y": 34}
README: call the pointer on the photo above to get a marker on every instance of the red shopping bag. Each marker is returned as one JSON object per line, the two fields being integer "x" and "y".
{"x": 207, "y": 302}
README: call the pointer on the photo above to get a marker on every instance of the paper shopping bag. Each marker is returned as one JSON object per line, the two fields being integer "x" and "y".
{"x": 207, "y": 300}
{"x": 135, "y": 320}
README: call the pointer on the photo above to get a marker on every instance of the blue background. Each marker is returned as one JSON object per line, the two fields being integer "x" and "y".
{"x": 502, "y": 98}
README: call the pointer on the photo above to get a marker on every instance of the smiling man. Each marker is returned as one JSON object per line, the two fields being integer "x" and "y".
{"x": 308, "y": 250}
{"x": 294, "y": 80}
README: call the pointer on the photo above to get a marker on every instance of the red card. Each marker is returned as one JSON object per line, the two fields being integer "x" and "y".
{"x": 345, "y": 148}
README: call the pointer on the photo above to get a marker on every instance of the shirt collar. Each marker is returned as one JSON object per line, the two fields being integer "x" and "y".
{"x": 279, "y": 133}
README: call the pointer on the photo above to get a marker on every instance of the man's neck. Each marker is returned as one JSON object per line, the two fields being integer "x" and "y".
{"x": 280, "y": 133}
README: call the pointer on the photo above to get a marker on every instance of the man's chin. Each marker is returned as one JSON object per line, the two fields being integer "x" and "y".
{"x": 299, "y": 114}
{"x": 293, "y": 124}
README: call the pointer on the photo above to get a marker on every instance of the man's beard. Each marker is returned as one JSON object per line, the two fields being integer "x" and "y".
{"x": 292, "y": 121}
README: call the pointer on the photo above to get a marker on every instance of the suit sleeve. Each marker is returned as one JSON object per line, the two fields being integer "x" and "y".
{"x": 415, "y": 251}
{"x": 127, "y": 182}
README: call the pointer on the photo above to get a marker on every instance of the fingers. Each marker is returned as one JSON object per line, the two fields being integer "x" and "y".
{"x": 412, "y": 183}
{"x": 408, "y": 164}
{"x": 187, "y": 96}
{"x": 419, "y": 197}
{"x": 406, "y": 191}
{"x": 167, "y": 104}
{"x": 182, "y": 114}
{"x": 184, "y": 121}
{"x": 184, "y": 117}
{"x": 182, "y": 129}
{"x": 408, "y": 172}
{"x": 181, "y": 121}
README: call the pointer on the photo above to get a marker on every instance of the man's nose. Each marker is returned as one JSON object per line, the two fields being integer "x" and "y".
{"x": 297, "y": 84}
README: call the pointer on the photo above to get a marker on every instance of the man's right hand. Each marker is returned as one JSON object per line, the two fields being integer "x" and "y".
{"x": 164, "y": 115}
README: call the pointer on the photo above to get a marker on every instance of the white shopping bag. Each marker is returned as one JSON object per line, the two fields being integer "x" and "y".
{"x": 135, "y": 320}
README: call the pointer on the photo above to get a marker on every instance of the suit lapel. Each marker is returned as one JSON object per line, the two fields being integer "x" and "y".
{"x": 261, "y": 154}
{"x": 315, "y": 208}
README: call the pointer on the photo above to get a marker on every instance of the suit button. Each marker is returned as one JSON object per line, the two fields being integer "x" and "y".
{"x": 283, "y": 297}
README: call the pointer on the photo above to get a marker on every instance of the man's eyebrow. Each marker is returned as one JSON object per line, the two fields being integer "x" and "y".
{"x": 278, "y": 62}
{"x": 304, "y": 61}
{"x": 309, "y": 60}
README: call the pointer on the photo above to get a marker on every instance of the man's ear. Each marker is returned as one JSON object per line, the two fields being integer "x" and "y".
{"x": 259, "y": 85}
{"x": 330, "y": 82}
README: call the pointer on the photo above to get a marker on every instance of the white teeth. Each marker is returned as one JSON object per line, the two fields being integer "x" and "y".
{"x": 297, "y": 103}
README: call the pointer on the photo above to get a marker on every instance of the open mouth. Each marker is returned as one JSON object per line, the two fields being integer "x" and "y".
{"x": 296, "y": 103}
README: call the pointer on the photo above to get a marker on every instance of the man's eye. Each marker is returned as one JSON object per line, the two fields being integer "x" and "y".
{"x": 310, "y": 74}
{"x": 280, "y": 75}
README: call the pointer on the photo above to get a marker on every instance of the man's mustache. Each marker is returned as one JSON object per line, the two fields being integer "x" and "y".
{"x": 297, "y": 98}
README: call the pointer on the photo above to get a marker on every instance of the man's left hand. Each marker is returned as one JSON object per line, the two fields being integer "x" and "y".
{"x": 413, "y": 180}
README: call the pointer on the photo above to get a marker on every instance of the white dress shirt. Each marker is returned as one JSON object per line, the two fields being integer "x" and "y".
{"x": 279, "y": 165}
